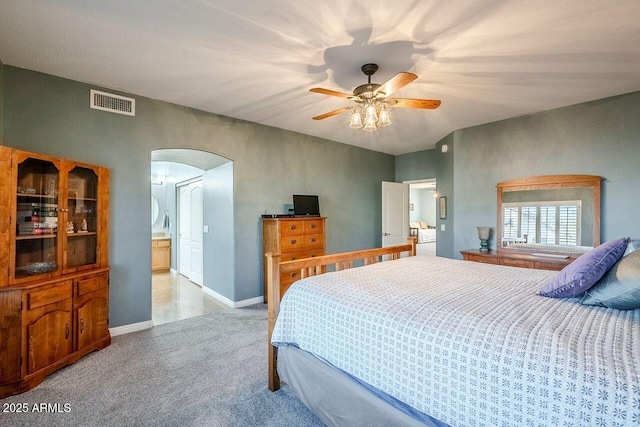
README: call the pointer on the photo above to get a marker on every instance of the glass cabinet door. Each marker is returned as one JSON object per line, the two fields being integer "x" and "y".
{"x": 81, "y": 225}
{"x": 36, "y": 245}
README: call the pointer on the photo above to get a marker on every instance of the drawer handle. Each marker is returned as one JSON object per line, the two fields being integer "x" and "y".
{"x": 67, "y": 331}
{"x": 294, "y": 274}
{"x": 292, "y": 227}
{"x": 313, "y": 226}
{"x": 81, "y": 325}
{"x": 293, "y": 242}
{"x": 313, "y": 240}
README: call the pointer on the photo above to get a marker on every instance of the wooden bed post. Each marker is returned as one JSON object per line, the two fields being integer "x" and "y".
{"x": 273, "y": 308}
{"x": 412, "y": 241}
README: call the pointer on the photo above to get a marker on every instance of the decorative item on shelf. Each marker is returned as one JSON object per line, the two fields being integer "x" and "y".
{"x": 83, "y": 226}
{"x": 483, "y": 234}
{"x": 40, "y": 267}
{"x": 70, "y": 227}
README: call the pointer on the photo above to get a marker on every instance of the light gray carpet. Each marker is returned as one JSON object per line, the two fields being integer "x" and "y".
{"x": 204, "y": 371}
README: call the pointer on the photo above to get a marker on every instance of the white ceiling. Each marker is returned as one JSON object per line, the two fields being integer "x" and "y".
{"x": 255, "y": 60}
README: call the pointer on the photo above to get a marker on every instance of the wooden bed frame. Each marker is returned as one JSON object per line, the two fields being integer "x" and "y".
{"x": 311, "y": 267}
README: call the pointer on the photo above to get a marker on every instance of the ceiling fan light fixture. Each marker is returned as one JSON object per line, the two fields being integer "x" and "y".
{"x": 356, "y": 118}
{"x": 371, "y": 114}
{"x": 370, "y": 127}
{"x": 372, "y": 100}
{"x": 383, "y": 118}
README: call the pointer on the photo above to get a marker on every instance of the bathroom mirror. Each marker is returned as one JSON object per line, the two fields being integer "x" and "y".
{"x": 155, "y": 210}
{"x": 549, "y": 213}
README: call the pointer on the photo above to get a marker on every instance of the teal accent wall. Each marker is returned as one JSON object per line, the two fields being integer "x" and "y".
{"x": 219, "y": 262}
{"x": 445, "y": 180}
{"x": 418, "y": 165}
{"x": 595, "y": 138}
{"x": 51, "y": 115}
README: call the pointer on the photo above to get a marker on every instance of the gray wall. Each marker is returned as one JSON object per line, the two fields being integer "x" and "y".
{"x": 51, "y": 115}
{"x": 219, "y": 242}
{"x": 418, "y": 165}
{"x": 445, "y": 181}
{"x": 596, "y": 138}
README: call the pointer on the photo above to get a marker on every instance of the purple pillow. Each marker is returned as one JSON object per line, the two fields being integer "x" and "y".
{"x": 584, "y": 272}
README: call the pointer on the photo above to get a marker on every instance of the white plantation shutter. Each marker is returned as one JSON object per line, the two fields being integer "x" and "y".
{"x": 548, "y": 225}
{"x": 551, "y": 223}
{"x": 528, "y": 222}
{"x": 568, "y": 225}
{"x": 511, "y": 223}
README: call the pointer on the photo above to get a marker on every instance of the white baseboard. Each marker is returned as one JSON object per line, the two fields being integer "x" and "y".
{"x": 173, "y": 271}
{"x": 133, "y": 327}
{"x": 233, "y": 304}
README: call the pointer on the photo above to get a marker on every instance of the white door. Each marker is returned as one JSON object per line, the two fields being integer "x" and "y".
{"x": 395, "y": 213}
{"x": 191, "y": 231}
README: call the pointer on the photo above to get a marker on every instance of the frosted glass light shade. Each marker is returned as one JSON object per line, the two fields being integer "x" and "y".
{"x": 356, "y": 119}
{"x": 384, "y": 119}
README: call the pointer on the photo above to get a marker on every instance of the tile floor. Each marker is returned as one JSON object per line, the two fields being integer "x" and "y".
{"x": 174, "y": 298}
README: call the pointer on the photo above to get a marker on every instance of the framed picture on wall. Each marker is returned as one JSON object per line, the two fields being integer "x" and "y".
{"x": 443, "y": 208}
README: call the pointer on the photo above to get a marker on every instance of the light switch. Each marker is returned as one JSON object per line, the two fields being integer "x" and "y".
{"x": 206, "y": 229}
{"x": 442, "y": 227}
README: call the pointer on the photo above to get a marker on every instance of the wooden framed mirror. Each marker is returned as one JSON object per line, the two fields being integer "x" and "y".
{"x": 550, "y": 212}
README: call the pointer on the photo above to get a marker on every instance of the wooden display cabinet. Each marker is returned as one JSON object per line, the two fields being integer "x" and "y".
{"x": 54, "y": 271}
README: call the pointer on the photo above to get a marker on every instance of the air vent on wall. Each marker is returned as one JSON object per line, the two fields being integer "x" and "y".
{"x": 114, "y": 103}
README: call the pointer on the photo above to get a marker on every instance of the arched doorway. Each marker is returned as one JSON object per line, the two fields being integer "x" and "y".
{"x": 187, "y": 228}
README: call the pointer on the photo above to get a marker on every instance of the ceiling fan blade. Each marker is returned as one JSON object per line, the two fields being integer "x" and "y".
{"x": 395, "y": 83}
{"x": 330, "y": 92}
{"x": 429, "y": 104}
{"x": 332, "y": 113}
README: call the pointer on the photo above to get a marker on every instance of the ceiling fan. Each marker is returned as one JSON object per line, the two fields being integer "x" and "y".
{"x": 372, "y": 100}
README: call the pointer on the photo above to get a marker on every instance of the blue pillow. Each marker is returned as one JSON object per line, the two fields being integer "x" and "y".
{"x": 584, "y": 272}
{"x": 619, "y": 287}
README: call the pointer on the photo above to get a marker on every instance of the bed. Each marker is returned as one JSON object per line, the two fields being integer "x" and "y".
{"x": 424, "y": 232}
{"x": 482, "y": 349}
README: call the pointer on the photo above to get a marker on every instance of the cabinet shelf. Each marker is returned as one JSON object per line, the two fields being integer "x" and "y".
{"x": 36, "y": 236}
{"x": 80, "y": 234}
{"x": 37, "y": 196}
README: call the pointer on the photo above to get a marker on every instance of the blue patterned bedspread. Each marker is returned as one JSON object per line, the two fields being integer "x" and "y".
{"x": 470, "y": 344}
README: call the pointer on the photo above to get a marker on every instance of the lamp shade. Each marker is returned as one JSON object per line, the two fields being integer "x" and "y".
{"x": 484, "y": 233}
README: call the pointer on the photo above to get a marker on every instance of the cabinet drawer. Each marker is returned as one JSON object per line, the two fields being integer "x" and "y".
{"x": 516, "y": 263}
{"x": 313, "y": 241}
{"x": 549, "y": 266}
{"x": 313, "y": 226}
{"x": 91, "y": 284}
{"x": 48, "y": 296}
{"x": 292, "y": 256}
{"x": 162, "y": 243}
{"x": 291, "y": 228}
{"x": 291, "y": 243}
{"x": 482, "y": 259}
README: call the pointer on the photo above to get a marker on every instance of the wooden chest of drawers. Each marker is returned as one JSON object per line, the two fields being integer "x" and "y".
{"x": 292, "y": 238}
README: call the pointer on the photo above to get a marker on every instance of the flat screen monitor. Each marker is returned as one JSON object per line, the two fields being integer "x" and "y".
{"x": 306, "y": 205}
